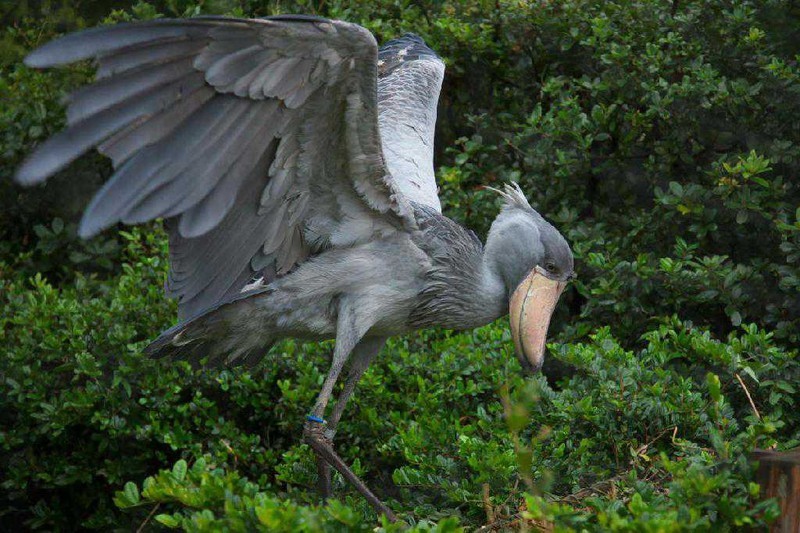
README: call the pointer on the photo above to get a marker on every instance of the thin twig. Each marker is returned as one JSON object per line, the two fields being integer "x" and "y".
{"x": 752, "y": 404}
{"x": 749, "y": 398}
{"x": 231, "y": 450}
{"x": 146, "y": 520}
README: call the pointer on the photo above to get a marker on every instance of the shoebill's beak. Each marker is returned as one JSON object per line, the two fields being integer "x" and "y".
{"x": 530, "y": 308}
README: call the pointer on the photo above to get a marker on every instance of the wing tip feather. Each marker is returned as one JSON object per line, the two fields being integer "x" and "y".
{"x": 95, "y": 219}
{"x": 36, "y": 59}
{"x": 87, "y": 229}
{"x": 42, "y": 164}
{"x": 27, "y": 176}
{"x": 66, "y": 49}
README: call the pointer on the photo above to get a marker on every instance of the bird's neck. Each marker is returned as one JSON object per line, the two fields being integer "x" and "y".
{"x": 493, "y": 296}
{"x": 485, "y": 298}
{"x": 463, "y": 291}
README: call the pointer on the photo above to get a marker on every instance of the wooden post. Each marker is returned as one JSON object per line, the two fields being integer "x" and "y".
{"x": 779, "y": 477}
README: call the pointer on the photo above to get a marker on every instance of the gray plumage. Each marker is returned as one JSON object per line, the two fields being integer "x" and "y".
{"x": 454, "y": 290}
{"x": 410, "y": 79}
{"x": 188, "y": 108}
{"x": 293, "y": 165}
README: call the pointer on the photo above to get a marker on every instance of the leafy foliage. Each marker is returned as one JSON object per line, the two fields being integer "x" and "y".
{"x": 656, "y": 135}
{"x": 659, "y": 433}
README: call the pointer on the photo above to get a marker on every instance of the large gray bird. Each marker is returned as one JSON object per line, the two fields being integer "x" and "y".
{"x": 293, "y": 164}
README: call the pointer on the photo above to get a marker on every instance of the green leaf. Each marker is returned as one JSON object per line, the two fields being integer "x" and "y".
{"x": 131, "y": 492}
{"x": 637, "y": 505}
{"x": 742, "y": 216}
{"x": 749, "y": 371}
{"x": 41, "y": 231}
{"x": 714, "y": 387}
{"x": 168, "y": 520}
{"x": 676, "y": 188}
{"x": 179, "y": 470}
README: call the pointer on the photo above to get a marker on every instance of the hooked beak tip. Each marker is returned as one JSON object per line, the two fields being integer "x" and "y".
{"x": 528, "y": 367}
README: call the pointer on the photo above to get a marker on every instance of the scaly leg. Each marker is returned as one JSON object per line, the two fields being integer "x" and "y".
{"x": 363, "y": 354}
{"x": 350, "y": 328}
{"x": 316, "y": 438}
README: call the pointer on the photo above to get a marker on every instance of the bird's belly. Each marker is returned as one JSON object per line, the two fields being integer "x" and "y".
{"x": 389, "y": 308}
{"x": 378, "y": 281}
{"x": 391, "y": 326}
{"x": 307, "y": 318}
{"x": 316, "y": 318}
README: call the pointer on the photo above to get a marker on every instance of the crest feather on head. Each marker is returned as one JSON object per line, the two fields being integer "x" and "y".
{"x": 513, "y": 196}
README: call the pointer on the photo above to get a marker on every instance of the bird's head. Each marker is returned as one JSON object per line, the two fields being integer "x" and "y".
{"x": 534, "y": 263}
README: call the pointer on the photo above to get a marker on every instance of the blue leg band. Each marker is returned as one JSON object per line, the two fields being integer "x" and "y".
{"x": 316, "y": 419}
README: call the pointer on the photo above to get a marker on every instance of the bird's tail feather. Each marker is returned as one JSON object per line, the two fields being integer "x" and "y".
{"x": 220, "y": 336}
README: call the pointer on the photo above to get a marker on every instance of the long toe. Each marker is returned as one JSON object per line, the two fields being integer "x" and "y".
{"x": 315, "y": 435}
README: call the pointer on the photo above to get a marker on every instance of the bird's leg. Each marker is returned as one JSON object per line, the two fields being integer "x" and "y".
{"x": 323, "y": 448}
{"x": 349, "y": 331}
{"x": 363, "y": 354}
{"x": 319, "y": 437}
{"x": 315, "y": 430}
{"x": 350, "y": 328}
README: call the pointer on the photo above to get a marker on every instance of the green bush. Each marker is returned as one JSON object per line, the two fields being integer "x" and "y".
{"x": 659, "y": 433}
{"x": 659, "y": 136}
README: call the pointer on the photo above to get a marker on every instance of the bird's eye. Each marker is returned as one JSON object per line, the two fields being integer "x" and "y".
{"x": 551, "y": 267}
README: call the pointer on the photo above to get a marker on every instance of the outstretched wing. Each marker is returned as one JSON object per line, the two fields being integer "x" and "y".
{"x": 257, "y": 139}
{"x": 409, "y": 81}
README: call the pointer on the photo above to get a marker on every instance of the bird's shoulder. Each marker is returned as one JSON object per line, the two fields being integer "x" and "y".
{"x": 442, "y": 238}
{"x": 403, "y": 50}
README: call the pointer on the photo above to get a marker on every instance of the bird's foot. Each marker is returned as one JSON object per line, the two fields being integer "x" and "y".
{"x": 315, "y": 428}
{"x": 320, "y": 438}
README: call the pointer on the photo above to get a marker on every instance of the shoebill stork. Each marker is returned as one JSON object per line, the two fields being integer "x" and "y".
{"x": 292, "y": 163}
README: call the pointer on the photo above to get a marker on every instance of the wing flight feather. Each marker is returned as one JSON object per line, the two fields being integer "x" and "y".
{"x": 258, "y": 141}
{"x": 409, "y": 82}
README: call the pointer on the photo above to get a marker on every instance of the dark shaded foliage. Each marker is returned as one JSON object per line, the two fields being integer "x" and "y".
{"x": 661, "y": 137}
